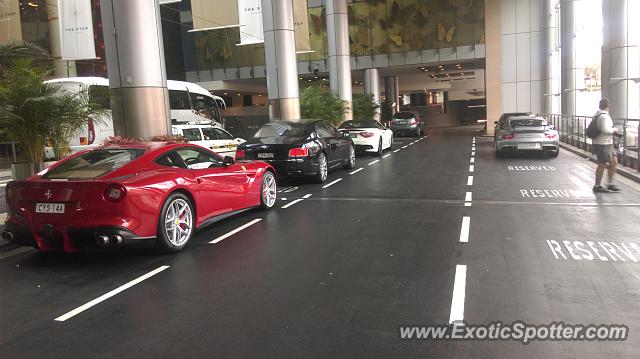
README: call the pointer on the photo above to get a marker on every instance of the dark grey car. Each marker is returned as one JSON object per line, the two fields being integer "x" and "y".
{"x": 405, "y": 122}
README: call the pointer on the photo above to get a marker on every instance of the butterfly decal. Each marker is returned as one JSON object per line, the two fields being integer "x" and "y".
{"x": 444, "y": 34}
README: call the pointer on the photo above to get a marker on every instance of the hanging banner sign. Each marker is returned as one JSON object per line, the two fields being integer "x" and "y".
{"x": 214, "y": 14}
{"x": 10, "y": 26}
{"x": 250, "y": 18}
{"x": 301, "y": 26}
{"x": 76, "y": 30}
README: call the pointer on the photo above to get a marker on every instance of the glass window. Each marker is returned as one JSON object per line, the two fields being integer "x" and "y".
{"x": 527, "y": 122}
{"x": 209, "y": 134}
{"x": 170, "y": 160}
{"x": 358, "y": 124}
{"x": 179, "y": 100}
{"x": 196, "y": 159}
{"x": 404, "y": 115}
{"x": 279, "y": 128}
{"x": 323, "y": 131}
{"x": 94, "y": 164}
{"x": 192, "y": 134}
{"x": 205, "y": 106}
{"x": 222, "y": 134}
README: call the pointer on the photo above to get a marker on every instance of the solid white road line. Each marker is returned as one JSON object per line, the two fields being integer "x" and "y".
{"x": 471, "y": 168}
{"x": 473, "y": 160}
{"x": 306, "y": 196}
{"x": 387, "y": 155}
{"x": 457, "y": 302}
{"x": 468, "y": 196}
{"x": 108, "y": 295}
{"x": 394, "y": 151}
{"x": 470, "y": 181}
{"x": 356, "y": 171}
{"x": 464, "y": 230}
{"x": 292, "y": 203}
{"x": 374, "y": 162}
{"x": 332, "y": 183}
{"x": 225, "y": 236}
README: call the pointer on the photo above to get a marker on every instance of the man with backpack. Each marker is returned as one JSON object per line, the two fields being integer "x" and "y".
{"x": 603, "y": 147}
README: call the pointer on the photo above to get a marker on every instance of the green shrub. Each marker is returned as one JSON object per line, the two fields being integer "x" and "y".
{"x": 364, "y": 107}
{"x": 320, "y": 104}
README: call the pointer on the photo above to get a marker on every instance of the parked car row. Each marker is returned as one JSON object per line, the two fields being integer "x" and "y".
{"x": 163, "y": 191}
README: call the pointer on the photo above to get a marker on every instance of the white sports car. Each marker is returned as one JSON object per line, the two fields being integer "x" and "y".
{"x": 368, "y": 135}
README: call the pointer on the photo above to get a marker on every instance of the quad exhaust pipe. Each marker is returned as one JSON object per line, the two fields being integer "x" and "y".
{"x": 104, "y": 240}
{"x": 8, "y": 236}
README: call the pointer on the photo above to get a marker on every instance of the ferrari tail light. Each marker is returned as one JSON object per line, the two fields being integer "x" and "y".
{"x": 115, "y": 192}
{"x": 507, "y": 137}
{"x": 413, "y": 121}
{"x": 239, "y": 154}
{"x": 299, "y": 152}
{"x": 551, "y": 135}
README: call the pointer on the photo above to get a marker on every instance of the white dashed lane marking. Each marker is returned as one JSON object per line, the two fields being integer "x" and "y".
{"x": 332, "y": 183}
{"x": 374, "y": 162}
{"x": 387, "y": 155}
{"x": 244, "y": 226}
{"x": 110, "y": 294}
{"x": 457, "y": 301}
{"x": 292, "y": 203}
{"x": 470, "y": 181}
{"x": 356, "y": 171}
{"x": 471, "y": 168}
{"x": 464, "y": 230}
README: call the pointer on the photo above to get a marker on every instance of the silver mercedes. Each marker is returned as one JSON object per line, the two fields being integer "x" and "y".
{"x": 526, "y": 133}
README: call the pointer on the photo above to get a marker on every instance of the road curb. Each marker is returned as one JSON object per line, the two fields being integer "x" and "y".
{"x": 623, "y": 171}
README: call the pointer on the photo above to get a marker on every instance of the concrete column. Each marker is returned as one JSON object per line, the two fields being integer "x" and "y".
{"x": 280, "y": 57}
{"x": 391, "y": 92}
{"x": 493, "y": 72}
{"x": 136, "y": 68}
{"x": 372, "y": 87}
{"x": 339, "y": 56}
{"x": 572, "y": 71}
{"x": 61, "y": 68}
{"x": 621, "y": 57}
{"x": 551, "y": 80}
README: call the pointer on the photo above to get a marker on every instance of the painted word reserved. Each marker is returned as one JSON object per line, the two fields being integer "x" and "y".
{"x": 595, "y": 251}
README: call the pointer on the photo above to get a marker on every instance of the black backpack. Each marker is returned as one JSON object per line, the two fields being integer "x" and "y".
{"x": 593, "y": 130}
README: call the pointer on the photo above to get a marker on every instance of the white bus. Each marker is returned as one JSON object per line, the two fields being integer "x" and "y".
{"x": 188, "y": 102}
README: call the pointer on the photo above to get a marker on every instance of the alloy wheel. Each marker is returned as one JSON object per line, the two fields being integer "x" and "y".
{"x": 269, "y": 190}
{"x": 178, "y": 222}
{"x": 322, "y": 167}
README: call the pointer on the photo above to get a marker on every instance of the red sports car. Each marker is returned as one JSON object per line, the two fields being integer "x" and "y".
{"x": 126, "y": 192}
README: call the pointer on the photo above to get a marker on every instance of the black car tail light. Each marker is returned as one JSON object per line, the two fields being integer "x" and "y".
{"x": 240, "y": 154}
{"x": 299, "y": 152}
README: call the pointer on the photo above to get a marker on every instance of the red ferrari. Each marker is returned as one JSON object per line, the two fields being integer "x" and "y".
{"x": 127, "y": 192}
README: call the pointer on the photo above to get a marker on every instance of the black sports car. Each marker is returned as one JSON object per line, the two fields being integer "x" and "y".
{"x": 307, "y": 148}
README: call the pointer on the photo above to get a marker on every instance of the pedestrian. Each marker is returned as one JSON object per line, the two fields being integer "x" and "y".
{"x": 604, "y": 149}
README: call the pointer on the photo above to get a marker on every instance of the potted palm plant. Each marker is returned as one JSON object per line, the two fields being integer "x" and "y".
{"x": 34, "y": 113}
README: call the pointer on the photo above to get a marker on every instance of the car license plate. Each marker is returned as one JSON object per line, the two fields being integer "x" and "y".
{"x": 49, "y": 207}
{"x": 265, "y": 155}
{"x": 528, "y": 146}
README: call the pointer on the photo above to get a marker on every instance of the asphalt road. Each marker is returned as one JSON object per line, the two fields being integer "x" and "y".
{"x": 339, "y": 272}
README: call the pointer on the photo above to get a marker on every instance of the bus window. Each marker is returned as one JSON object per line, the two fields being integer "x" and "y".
{"x": 179, "y": 100}
{"x": 205, "y": 106}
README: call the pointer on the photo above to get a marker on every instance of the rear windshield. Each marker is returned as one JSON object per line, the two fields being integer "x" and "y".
{"x": 94, "y": 164}
{"x": 359, "y": 124}
{"x": 282, "y": 129}
{"x": 404, "y": 115}
{"x": 529, "y": 122}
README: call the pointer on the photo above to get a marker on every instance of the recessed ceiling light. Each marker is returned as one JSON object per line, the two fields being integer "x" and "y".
{"x": 226, "y": 93}
{"x": 237, "y": 94}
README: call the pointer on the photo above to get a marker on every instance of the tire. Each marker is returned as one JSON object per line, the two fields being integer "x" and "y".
{"x": 268, "y": 191}
{"x": 419, "y": 131}
{"x": 498, "y": 152}
{"x": 391, "y": 143}
{"x": 351, "y": 161}
{"x": 177, "y": 208}
{"x": 555, "y": 154}
{"x": 323, "y": 169}
{"x": 379, "y": 153}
